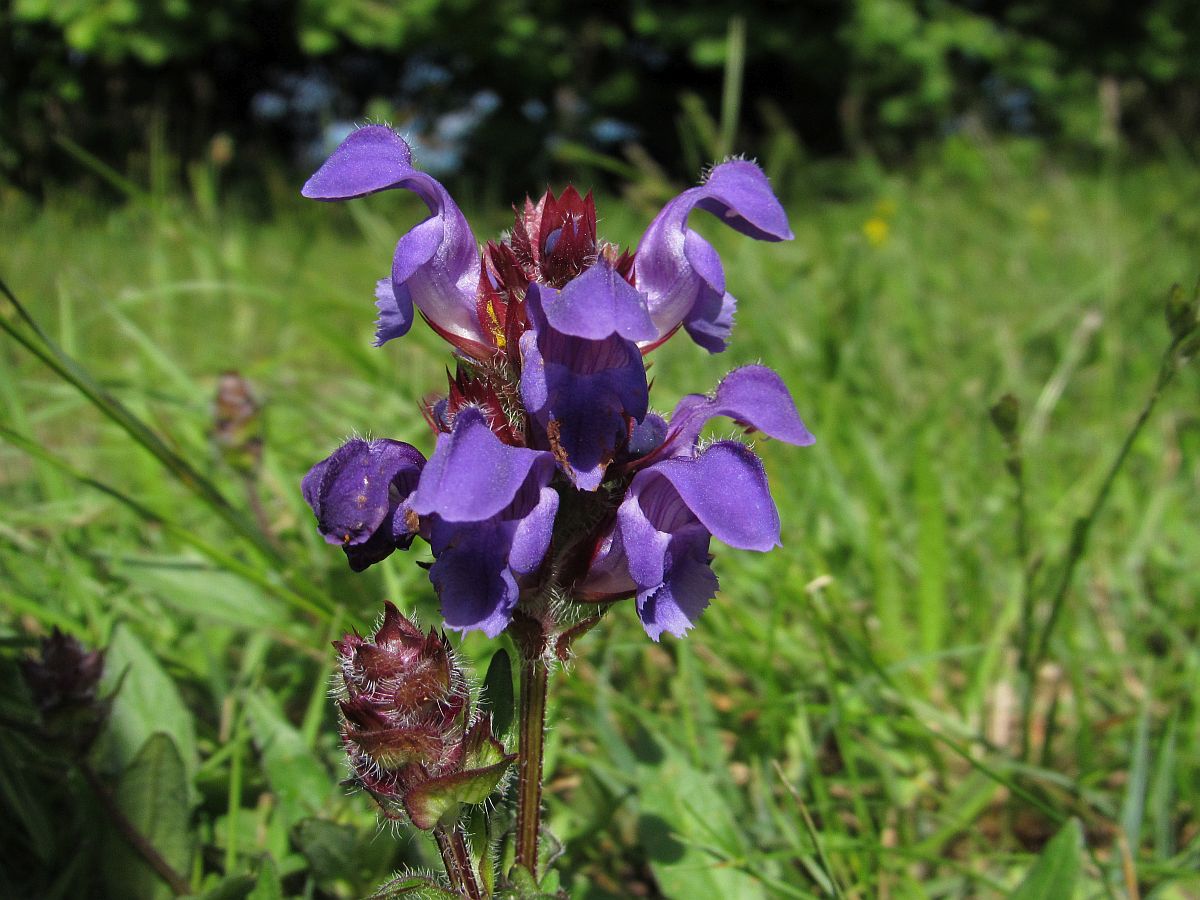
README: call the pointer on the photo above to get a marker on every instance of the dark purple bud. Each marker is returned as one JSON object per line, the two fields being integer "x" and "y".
{"x": 63, "y": 681}
{"x": 359, "y": 496}
{"x": 237, "y": 423}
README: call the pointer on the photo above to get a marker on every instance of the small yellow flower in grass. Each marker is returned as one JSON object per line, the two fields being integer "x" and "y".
{"x": 1039, "y": 215}
{"x": 876, "y": 230}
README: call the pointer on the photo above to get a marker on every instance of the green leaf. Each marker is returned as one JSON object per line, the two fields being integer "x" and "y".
{"x": 232, "y": 887}
{"x": 686, "y": 829}
{"x": 268, "y": 885}
{"x": 498, "y": 692}
{"x": 932, "y": 558}
{"x": 153, "y": 796}
{"x": 426, "y": 804}
{"x": 521, "y": 885}
{"x": 300, "y": 783}
{"x": 413, "y": 887}
{"x": 1056, "y": 872}
{"x": 328, "y": 847}
{"x": 1134, "y": 805}
{"x": 146, "y": 702}
{"x": 199, "y": 589}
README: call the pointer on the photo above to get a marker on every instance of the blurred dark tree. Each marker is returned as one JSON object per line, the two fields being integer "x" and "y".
{"x": 502, "y": 92}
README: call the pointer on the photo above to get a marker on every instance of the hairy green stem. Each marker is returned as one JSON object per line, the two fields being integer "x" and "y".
{"x": 457, "y": 861}
{"x": 531, "y": 715}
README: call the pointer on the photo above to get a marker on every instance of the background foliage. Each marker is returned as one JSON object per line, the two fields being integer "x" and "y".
{"x": 514, "y": 92}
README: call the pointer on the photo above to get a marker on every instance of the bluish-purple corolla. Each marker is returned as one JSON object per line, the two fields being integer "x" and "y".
{"x": 551, "y": 481}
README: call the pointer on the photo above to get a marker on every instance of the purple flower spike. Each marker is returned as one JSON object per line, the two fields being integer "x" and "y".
{"x": 681, "y": 274}
{"x": 665, "y": 522}
{"x": 548, "y": 406}
{"x": 492, "y": 515}
{"x": 436, "y": 265}
{"x": 583, "y": 393}
{"x": 359, "y": 496}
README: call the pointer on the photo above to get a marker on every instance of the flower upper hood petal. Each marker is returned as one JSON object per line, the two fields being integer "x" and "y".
{"x": 681, "y": 274}
{"x": 436, "y": 265}
{"x": 472, "y": 475}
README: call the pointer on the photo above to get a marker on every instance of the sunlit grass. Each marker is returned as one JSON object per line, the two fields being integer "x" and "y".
{"x": 845, "y": 719}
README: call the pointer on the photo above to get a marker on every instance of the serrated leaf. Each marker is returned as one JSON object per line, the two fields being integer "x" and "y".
{"x": 146, "y": 702}
{"x": 1056, "y": 872}
{"x": 413, "y": 887}
{"x": 153, "y": 795}
{"x": 426, "y": 804}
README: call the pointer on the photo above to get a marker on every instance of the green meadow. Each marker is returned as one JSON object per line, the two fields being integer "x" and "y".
{"x": 900, "y": 702}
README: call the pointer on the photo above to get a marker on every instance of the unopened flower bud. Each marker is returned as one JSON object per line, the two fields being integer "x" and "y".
{"x": 63, "y": 681}
{"x": 407, "y": 724}
{"x": 237, "y": 423}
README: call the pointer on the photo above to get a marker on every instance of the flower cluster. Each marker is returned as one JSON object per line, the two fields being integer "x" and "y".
{"x": 407, "y": 725}
{"x": 550, "y": 475}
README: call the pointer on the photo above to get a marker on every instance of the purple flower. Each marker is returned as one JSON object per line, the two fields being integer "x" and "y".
{"x": 681, "y": 274}
{"x": 491, "y": 514}
{"x": 681, "y": 497}
{"x": 360, "y": 498}
{"x": 436, "y": 265}
{"x": 549, "y": 404}
{"x": 583, "y": 380}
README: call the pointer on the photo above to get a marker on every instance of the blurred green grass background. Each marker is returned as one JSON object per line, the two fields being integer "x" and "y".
{"x": 845, "y": 719}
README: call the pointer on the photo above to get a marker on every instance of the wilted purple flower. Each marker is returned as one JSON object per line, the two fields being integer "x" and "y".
{"x": 359, "y": 496}
{"x": 550, "y": 475}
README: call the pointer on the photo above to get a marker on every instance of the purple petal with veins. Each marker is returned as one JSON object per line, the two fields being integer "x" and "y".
{"x": 581, "y": 392}
{"x": 752, "y": 395}
{"x": 472, "y": 475}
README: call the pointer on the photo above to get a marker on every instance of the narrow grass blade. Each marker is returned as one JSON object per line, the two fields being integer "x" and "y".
{"x": 320, "y": 608}
{"x": 45, "y": 349}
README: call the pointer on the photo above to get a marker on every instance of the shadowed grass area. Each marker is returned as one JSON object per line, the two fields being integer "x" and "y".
{"x": 847, "y": 718}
